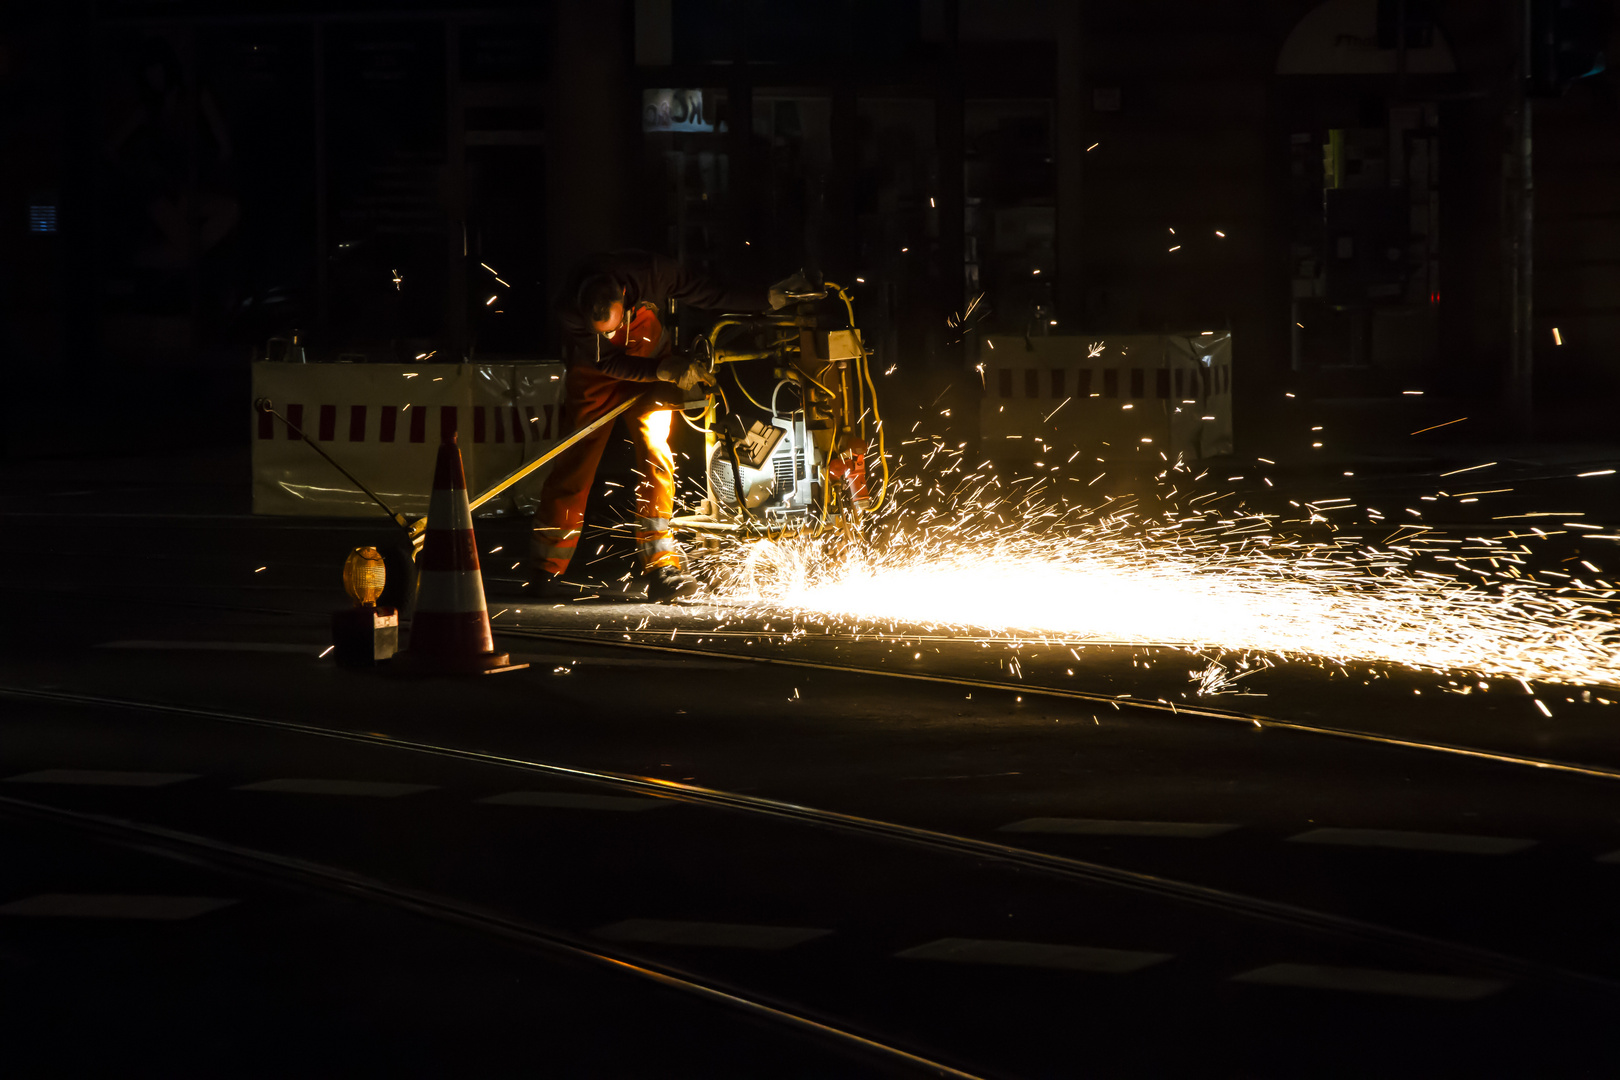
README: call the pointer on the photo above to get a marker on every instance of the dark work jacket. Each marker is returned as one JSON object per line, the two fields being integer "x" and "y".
{"x": 645, "y": 278}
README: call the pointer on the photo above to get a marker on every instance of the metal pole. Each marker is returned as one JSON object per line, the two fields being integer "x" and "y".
{"x": 950, "y": 147}
{"x": 1518, "y": 388}
{"x": 456, "y": 336}
{"x": 191, "y": 197}
{"x": 1070, "y": 146}
{"x": 1400, "y": 50}
{"x": 318, "y": 66}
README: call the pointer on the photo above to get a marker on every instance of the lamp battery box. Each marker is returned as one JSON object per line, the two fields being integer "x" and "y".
{"x": 364, "y": 635}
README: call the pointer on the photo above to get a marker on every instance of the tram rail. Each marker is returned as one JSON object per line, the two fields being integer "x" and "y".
{"x": 1271, "y": 912}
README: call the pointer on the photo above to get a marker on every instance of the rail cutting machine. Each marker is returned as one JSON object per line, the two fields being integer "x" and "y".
{"x": 798, "y": 461}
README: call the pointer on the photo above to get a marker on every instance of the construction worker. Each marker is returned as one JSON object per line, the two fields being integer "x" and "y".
{"x": 616, "y": 348}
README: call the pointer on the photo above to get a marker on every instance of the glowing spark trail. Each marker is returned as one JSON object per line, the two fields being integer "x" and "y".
{"x": 1204, "y": 579}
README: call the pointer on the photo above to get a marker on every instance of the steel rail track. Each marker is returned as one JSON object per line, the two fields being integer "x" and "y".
{"x": 223, "y": 856}
{"x": 1160, "y": 705}
{"x": 1255, "y": 720}
{"x": 1253, "y": 908}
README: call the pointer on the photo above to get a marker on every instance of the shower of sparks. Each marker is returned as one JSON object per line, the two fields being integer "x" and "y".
{"x": 1217, "y": 678}
{"x": 966, "y": 322}
{"x": 974, "y": 556}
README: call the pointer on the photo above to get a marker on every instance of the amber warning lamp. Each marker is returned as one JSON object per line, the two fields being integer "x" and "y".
{"x": 364, "y": 575}
{"x": 364, "y": 635}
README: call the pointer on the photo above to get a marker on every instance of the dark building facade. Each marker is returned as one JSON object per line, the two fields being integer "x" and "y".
{"x": 190, "y": 184}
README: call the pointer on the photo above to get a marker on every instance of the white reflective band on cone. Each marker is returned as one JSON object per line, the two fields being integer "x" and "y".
{"x": 450, "y": 510}
{"x": 451, "y": 591}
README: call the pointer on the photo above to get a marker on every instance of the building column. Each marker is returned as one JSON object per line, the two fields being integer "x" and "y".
{"x": 1069, "y": 145}
{"x": 588, "y": 134}
{"x": 456, "y": 338}
{"x": 1518, "y": 387}
{"x": 949, "y": 143}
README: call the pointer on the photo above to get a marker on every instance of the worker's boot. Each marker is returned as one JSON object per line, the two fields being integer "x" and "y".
{"x": 666, "y": 583}
{"x": 542, "y": 585}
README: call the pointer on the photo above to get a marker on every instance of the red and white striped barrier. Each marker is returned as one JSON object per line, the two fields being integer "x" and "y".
{"x": 450, "y": 632}
{"x": 1117, "y": 397}
{"x": 384, "y": 422}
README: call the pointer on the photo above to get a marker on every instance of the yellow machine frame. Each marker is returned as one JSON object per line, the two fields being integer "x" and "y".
{"x": 838, "y": 394}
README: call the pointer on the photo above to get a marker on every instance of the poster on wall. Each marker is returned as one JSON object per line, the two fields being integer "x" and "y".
{"x": 673, "y": 110}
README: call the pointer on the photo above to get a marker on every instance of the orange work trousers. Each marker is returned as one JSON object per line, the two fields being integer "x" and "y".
{"x": 589, "y": 395}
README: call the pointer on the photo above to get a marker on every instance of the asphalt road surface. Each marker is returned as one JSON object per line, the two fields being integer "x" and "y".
{"x": 679, "y": 843}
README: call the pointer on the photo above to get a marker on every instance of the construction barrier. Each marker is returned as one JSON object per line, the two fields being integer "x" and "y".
{"x": 1119, "y": 397}
{"x": 384, "y": 423}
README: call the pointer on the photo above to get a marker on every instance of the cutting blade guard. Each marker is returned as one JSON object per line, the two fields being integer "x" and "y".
{"x": 753, "y": 442}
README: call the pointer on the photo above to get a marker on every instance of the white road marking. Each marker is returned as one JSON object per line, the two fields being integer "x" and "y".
{"x": 725, "y": 935}
{"x": 567, "y": 800}
{"x": 1101, "y": 827}
{"x": 1373, "y": 981}
{"x": 107, "y": 777}
{"x": 1416, "y": 841}
{"x": 114, "y": 906}
{"x": 1035, "y": 954}
{"x": 214, "y": 646}
{"x": 376, "y": 788}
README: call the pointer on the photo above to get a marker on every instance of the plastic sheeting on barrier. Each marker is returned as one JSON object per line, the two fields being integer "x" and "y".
{"x": 383, "y": 422}
{"x": 1123, "y": 397}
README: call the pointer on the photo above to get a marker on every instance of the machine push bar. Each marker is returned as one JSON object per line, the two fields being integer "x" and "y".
{"x": 416, "y": 530}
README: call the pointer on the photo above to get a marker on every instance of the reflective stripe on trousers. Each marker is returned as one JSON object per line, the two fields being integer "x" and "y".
{"x": 656, "y": 545}
{"x": 550, "y": 543}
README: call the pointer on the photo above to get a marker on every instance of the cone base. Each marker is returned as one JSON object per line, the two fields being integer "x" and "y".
{"x": 490, "y": 663}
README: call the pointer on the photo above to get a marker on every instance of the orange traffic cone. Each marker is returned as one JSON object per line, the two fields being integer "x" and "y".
{"x": 450, "y": 633}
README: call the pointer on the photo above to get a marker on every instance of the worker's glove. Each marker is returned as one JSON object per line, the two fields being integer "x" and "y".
{"x": 683, "y": 372}
{"x": 802, "y": 286}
